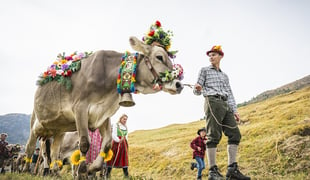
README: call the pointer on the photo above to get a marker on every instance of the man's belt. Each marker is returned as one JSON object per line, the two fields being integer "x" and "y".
{"x": 217, "y": 96}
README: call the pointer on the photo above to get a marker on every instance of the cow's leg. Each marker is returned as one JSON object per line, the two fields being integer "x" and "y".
{"x": 55, "y": 152}
{"x": 82, "y": 128}
{"x": 105, "y": 132}
{"x": 31, "y": 145}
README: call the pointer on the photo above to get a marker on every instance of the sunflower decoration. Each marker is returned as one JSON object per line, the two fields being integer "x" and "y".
{"x": 57, "y": 162}
{"x": 75, "y": 157}
{"x": 157, "y": 36}
{"x": 28, "y": 160}
{"x": 108, "y": 156}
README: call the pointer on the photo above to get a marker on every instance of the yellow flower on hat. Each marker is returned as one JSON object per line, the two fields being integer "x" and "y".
{"x": 218, "y": 47}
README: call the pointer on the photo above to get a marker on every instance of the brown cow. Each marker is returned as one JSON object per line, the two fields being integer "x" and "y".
{"x": 93, "y": 99}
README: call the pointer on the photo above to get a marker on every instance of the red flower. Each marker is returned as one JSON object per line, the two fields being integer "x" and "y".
{"x": 157, "y": 23}
{"x": 151, "y": 33}
{"x": 69, "y": 73}
{"x": 68, "y": 58}
{"x": 53, "y": 72}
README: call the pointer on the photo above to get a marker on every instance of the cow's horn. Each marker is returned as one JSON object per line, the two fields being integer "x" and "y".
{"x": 126, "y": 100}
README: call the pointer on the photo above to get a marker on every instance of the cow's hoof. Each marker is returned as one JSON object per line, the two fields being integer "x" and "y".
{"x": 82, "y": 168}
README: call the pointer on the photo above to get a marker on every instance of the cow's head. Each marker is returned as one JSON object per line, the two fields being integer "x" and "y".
{"x": 150, "y": 65}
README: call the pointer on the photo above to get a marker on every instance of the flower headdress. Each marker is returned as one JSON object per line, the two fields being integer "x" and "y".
{"x": 157, "y": 36}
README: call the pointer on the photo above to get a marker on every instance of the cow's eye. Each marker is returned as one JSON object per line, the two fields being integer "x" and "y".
{"x": 160, "y": 58}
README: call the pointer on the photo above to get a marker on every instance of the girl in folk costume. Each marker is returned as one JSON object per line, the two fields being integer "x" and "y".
{"x": 119, "y": 147}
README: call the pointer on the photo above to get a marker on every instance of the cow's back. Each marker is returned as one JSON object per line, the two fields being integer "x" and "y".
{"x": 94, "y": 83}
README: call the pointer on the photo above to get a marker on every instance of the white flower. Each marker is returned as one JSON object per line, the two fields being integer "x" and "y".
{"x": 59, "y": 72}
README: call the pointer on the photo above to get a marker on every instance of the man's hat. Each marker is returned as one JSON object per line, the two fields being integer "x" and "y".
{"x": 202, "y": 129}
{"x": 37, "y": 148}
{"x": 217, "y": 49}
{"x": 4, "y": 134}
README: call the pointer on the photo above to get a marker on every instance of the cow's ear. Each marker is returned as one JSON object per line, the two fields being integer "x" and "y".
{"x": 138, "y": 45}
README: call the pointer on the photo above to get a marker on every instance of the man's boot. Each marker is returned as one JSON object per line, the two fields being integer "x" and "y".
{"x": 234, "y": 173}
{"x": 214, "y": 174}
{"x": 193, "y": 165}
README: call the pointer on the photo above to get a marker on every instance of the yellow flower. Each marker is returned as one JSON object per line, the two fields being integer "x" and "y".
{"x": 57, "y": 162}
{"x": 218, "y": 47}
{"x": 83, "y": 158}
{"x": 109, "y": 156}
{"x": 75, "y": 157}
{"x": 28, "y": 160}
{"x": 106, "y": 157}
{"x": 64, "y": 61}
{"x": 133, "y": 79}
{"x": 168, "y": 47}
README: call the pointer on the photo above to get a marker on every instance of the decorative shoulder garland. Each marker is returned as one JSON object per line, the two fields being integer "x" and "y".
{"x": 127, "y": 73}
{"x": 156, "y": 35}
{"x": 62, "y": 69}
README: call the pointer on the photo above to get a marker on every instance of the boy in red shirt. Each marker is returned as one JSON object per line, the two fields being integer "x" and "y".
{"x": 199, "y": 146}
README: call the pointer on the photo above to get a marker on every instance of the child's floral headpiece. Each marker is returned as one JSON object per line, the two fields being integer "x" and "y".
{"x": 157, "y": 36}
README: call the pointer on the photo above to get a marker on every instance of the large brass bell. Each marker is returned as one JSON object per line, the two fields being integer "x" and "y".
{"x": 126, "y": 100}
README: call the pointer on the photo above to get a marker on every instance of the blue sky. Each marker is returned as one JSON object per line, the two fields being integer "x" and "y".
{"x": 266, "y": 45}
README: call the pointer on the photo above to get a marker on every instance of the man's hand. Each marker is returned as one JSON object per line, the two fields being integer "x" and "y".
{"x": 237, "y": 116}
{"x": 198, "y": 87}
{"x": 199, "y": 149}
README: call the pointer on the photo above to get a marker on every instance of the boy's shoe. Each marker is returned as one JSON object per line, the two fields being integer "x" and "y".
{"x": 199, "y": 178}
{"x": 193, "y": 166}
{"x": 234, "y": 173}
{"x": 214, "y": 174}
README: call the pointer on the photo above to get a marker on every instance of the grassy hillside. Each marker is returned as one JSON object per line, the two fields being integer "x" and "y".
{"x": 275, "y": 144}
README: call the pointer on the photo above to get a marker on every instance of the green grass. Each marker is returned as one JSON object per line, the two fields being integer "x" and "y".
{"x": 275, "y": 144}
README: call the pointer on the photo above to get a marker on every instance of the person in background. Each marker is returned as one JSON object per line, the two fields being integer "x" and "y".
{"x": 34, "y": 160}
{"x": 199, "y": 147}
{"x": 3, "y": 150}
{"x": 222, "y": 115}
{"x": 45, "y": 165}
{"x": 119, "y": 147}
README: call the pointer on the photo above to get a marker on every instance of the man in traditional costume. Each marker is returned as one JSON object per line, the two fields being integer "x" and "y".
{"x": 222, "y": 115}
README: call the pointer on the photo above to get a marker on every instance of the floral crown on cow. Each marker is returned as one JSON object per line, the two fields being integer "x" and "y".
{"x": 157, "y": 36}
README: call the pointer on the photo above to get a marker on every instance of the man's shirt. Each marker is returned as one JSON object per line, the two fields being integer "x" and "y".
{"x": 216, "y": 82}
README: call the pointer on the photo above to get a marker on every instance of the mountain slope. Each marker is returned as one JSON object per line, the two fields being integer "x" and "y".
{"x": 296, "y": 85}
{"x": 275, "y": 143}
{"x": 16, "y": 126}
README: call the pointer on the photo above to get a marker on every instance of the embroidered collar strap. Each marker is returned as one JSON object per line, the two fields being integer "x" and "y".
{"x": 127, "y": 73}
